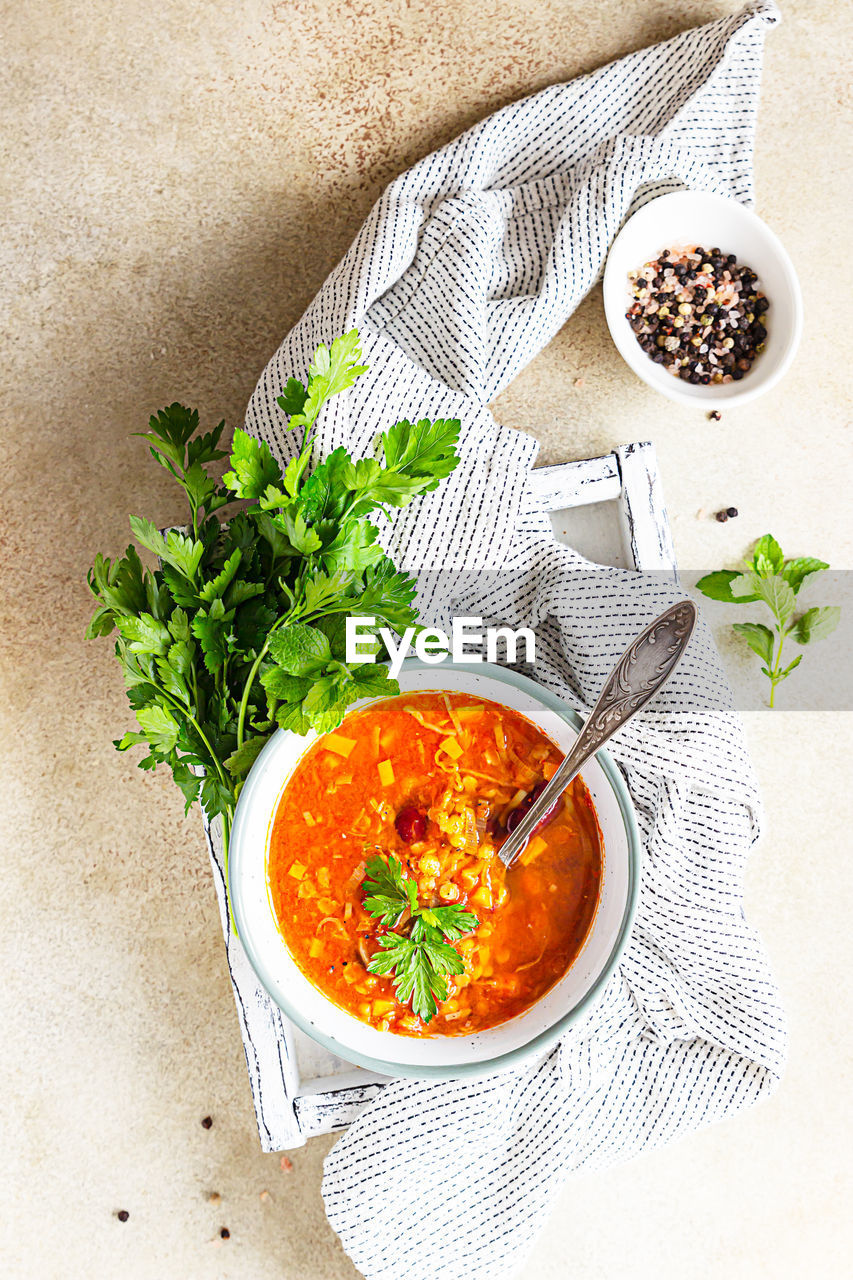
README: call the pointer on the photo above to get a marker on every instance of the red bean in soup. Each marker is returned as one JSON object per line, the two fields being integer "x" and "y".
{"x": 433, "y": 780}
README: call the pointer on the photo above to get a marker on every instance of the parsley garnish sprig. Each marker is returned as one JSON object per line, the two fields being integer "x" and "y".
{"x": 241, "y": 627}
{"x": 770, "y": 578}
{"x": 421, "y": 959}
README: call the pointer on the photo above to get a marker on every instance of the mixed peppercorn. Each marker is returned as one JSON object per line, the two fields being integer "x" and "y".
{"x": 700, "y": 314}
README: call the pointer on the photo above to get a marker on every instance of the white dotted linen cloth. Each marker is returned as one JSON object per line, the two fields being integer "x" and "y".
{"x": 467, "y": 266}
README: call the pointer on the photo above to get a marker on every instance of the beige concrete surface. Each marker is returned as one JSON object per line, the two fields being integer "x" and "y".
{"x": 178, "y": 178}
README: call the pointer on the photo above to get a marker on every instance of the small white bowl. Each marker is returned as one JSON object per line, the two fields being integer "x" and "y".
{"x": 437, "y": 1056}
{"x": 689, "y": 218}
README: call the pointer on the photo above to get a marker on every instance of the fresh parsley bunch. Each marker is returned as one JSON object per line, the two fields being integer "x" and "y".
{"x": 421, "y": 959}
{"x": 775, "y": 581}
{"x": 241, "y": 627}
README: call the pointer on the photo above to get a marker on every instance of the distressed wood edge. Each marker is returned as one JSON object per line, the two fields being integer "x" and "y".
{"x": 577, "y": 484}
{"x": 335, "y": 1109}
{"x": 645, "y": 522}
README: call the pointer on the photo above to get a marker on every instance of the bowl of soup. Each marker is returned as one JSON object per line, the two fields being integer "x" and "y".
{"x": 370, "y": 898}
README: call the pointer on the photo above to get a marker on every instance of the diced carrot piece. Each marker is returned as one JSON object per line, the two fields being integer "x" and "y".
{"x": 315, "y": 948}
{"x": 309, "y": 821}
{"x": 470, "y": 713}
{"x": 339, "y": 744}
{"x": 548, "y": 770}
{"x": 323, "y": 877}
{"x": 537, "y": 845}
{"x": 296, "y": 870}
{"x": 452, "y": 747}
{"x": 386, "y": 772}
{"x": 381, "y": 1008}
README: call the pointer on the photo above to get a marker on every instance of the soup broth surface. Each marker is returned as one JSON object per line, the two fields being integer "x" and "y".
{"x": 432, "y": 779}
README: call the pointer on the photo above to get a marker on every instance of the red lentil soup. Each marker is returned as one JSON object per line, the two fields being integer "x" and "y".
{"x": 432, "y": 779}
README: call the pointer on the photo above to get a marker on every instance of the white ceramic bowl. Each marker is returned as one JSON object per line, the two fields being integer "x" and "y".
{"x": 691, "y": 218}
{"x": 437, "y": 1056}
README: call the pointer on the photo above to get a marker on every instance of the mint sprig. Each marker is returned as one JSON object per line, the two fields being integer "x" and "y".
{"x": 241, "y": 627}
{"x": 421, "y": 959}
{"x": 774, "y": 581}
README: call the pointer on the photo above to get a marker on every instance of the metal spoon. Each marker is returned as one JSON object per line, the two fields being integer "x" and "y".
{"x": 640, "y": 673}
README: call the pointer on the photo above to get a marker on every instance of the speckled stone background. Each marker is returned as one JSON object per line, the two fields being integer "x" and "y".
{"x": 178, "y": 179}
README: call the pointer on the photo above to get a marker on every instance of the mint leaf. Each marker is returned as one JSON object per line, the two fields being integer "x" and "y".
{"x": 717, "y": 586}
{"x": 796, "y": 571}
{"x": 300, "y": 650}
{"x": 816, "y": 624}
{"x": 371, "y": 680}
{"x": 768, "y": 551}
{"x": 743, "y": 587}
{"x": 240, "y": 761}
{"x": 283, "y": 687}
{"x": 326, "y": 701}
{"x": 776, "y": 594}
{"x": 758, "y": 637}
{"x": 290, "y": 716}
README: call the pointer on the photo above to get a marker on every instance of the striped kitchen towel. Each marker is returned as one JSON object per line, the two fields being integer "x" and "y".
{"x": 468, "y": 265}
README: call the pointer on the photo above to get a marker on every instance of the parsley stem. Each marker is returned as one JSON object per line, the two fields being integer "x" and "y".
{"x": 250, "y": 680}
{"x": 179, "y": 706}
{"x": 253, "y": 671}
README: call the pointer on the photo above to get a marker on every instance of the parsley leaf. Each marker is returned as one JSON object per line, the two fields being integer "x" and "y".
{"x": 389, "y": 891}
{"x": 420, "y": 960}
{"x": 453, "y": 920}
{"x": 253, "y": 466}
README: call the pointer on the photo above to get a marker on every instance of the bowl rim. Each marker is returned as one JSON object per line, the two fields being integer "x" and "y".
{"x": 545, "y": 1039}
{"x": 614, "y": 314}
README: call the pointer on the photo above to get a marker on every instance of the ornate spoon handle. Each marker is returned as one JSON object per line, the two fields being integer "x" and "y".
{"x": 640, "y": 673}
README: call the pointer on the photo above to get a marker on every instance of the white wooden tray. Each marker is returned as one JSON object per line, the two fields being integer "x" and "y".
{"x": 611, "y": 510}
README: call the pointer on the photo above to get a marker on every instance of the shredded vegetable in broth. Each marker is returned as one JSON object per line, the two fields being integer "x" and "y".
{"x": 428, "y": 784}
